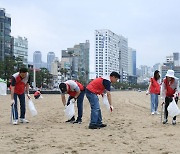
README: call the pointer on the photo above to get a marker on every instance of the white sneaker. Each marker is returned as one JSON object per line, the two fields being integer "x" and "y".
{"x": 156, "y": 112}
{"x": 23, "y": 120}
{"x": 174, "y": 122}
{"x": 152, "y": 113}
{"x": 15, "y": 122}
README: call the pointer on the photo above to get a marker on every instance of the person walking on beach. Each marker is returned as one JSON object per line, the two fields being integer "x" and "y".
{"x": 96, "y": 87}
{"x": 76, "y": 91}
{"x": 169, "y": 89}
{"x": 19, "y": 84}
{"x": 154, "y": 91}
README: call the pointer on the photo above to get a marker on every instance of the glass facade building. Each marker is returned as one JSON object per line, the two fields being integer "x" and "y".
{"x": 37, "y": 59}
{"x": 20, "y": 49}
{"x": 5, "y": 35}
{"x": 50, "y": 59}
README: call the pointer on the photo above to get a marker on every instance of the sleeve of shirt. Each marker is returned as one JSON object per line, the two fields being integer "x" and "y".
{"x": 74, "y": 86}
{"x": 107, "y": 84}
{"x": 13, "y": 81}
{"x": 178, "y": 90}
{"x": 77, "y": 89}
{"x": 163, "y": 91}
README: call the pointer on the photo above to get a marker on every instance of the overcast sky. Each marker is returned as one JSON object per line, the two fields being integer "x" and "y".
{"x": 151, "y": 26}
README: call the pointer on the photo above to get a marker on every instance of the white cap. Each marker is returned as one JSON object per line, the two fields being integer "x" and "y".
{"x": 170, "y": 73}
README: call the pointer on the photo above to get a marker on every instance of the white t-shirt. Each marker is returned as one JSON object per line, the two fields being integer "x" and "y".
{"x": 73, "y": 85}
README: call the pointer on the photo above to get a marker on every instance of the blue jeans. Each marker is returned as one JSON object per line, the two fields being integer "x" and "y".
{"x": 96, "y": 118}
{"x": 154, "y": 102}
{"x": 22, "y": 106}
{"x": 79, "y": 104}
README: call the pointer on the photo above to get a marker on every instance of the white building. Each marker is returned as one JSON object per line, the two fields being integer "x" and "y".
{"x": 169, "y": 59}
{"x": 20, "y": 48}
{"x": 111, "y": 53}
{"x": 55, "y": 71}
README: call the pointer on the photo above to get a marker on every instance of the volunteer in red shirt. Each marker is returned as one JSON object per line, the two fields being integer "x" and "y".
{"x": 169, "y": 89}
{"x": 37, "y": 94}
{"x": 19, "y": 84}
{"x": 97, "y": 87}
{"x": 154, "y": 91}
{"x": 76, "y": 91}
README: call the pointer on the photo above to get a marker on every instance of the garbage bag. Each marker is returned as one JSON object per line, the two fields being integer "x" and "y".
{"x": 69, "y": 110}
{"x": 106, "y": 102}
{"x": 32, "y": 108}
{"x": 173, "y": 109}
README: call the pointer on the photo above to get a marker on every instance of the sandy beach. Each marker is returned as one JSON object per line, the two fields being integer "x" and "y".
{"x": 131, "y": 129}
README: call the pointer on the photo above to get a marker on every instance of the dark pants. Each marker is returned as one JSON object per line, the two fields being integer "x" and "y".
{"x": 96, "y": 117}
{"x": 167, "y": 102}
{"x": 22, "y": 106}
{"x": 79, "y": 104}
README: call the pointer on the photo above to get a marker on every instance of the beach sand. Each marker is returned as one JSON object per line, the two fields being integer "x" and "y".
{"x": 131, "y": 129}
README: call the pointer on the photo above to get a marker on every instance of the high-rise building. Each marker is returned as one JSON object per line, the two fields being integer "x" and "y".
{"x": 111, "y": 53}
{"x": 5, "y": 35}
{"x": 79, "y": 60}
{"x": 134, "y": 62}
{"x": 172, "y": 62}
{"x": 169, "y": 59}
{"x": 37, "y": 59}
{"x": 50, "y": 59}
{"x": 20, "y": 48}
{"x": 176, "y": 58}
{"x": 157, "y": 67}
{"x": 131, "y": 62}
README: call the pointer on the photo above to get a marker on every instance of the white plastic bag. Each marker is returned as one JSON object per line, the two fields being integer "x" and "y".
{"x": 173, "y": 109}
{"x": 106, "y": 102}
{"x": 69, "y": 110}
{"x": 32, "y": 108}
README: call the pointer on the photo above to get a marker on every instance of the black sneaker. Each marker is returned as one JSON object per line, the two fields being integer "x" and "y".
{"x": 165, "y": 121}
{"x": 77, "y": 122}
{"x": 94, "y": 127}
{"x": 71, "y": 120}
{"x": 102, "y": 125}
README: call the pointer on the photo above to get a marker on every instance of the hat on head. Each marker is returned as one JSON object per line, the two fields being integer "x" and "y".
{"x": 170, "y": 73}
{"x": 62, "y": 87}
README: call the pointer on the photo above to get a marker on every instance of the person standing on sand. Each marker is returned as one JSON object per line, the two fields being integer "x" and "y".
{"x": 19, "y": 83}
{"x": 169, "y": 89}
{"x": 154, "y": 91}
{"x": 96, "y": 87}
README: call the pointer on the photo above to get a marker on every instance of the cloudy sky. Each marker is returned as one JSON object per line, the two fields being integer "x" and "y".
{"x": 151, "y": 26}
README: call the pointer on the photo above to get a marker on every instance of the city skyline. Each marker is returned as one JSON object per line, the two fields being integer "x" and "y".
{"x": 52, "y": 27}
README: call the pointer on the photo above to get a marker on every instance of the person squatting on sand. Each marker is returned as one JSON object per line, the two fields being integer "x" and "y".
{"x": 19, "y": 83}
{"x": 169, "y": 89}
{"x": 37, "y": 94}
{"x": 96, "y": 87}
{"x": 76, "y": 91}
{"x": 154, "y": 91}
